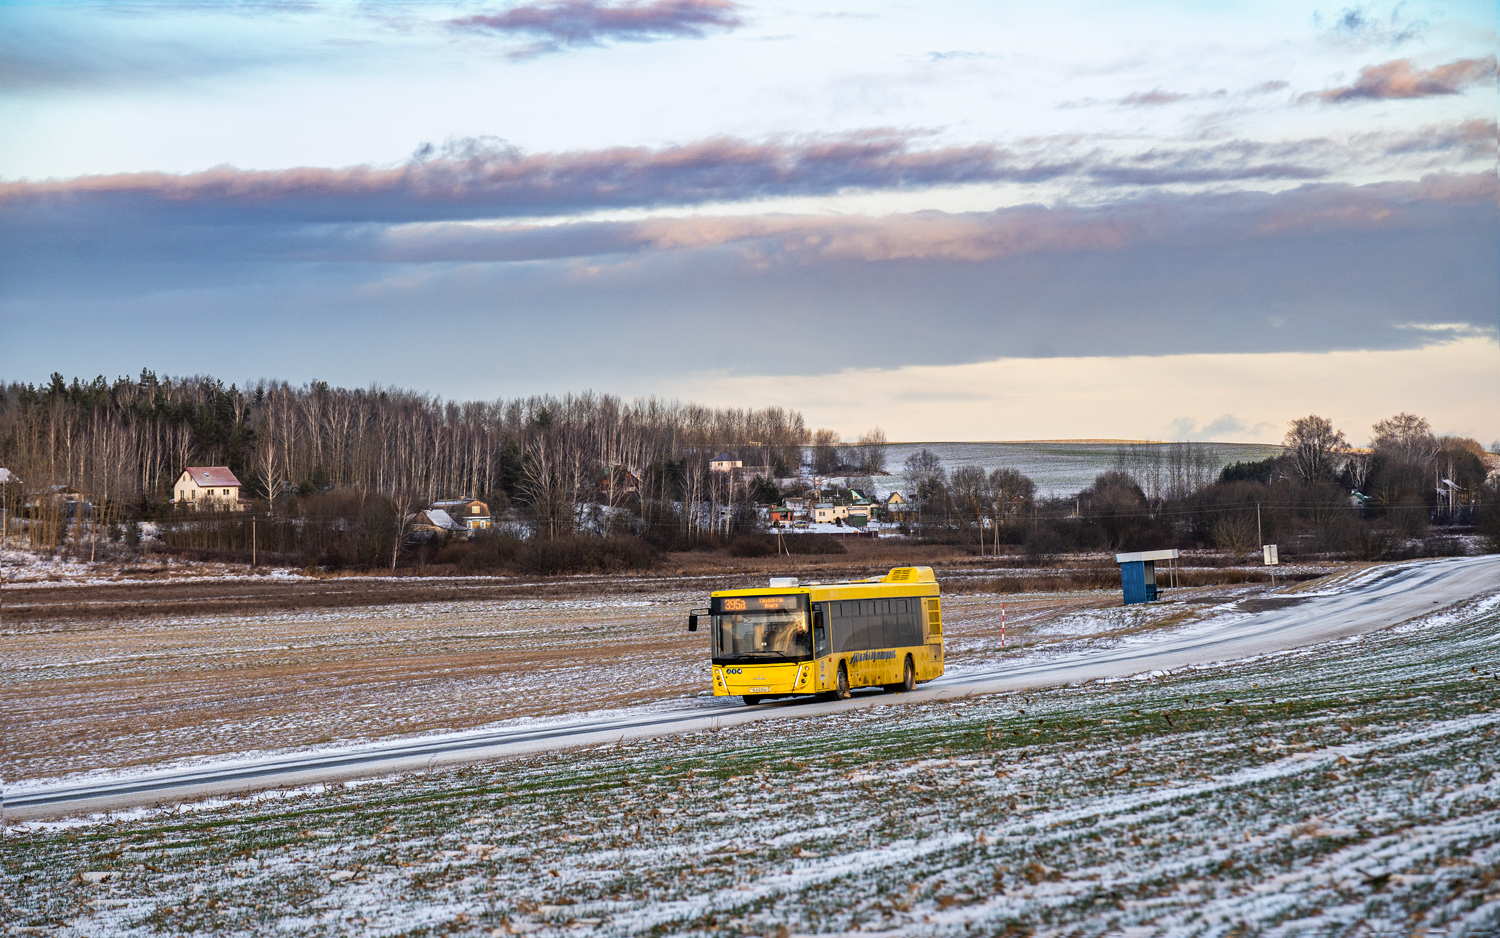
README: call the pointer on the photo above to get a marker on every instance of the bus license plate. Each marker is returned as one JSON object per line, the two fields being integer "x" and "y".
{"x": 758, "y": 690}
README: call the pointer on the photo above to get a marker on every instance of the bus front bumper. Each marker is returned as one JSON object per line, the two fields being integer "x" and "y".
{"x": 763, "y": 680}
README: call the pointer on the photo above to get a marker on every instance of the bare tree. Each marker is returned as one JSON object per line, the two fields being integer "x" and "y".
{"x": 872, "y": 449}
{"x": 825, "y": 451}
{"x": 1405, "y": 438}
{"x": 1314, "y": 447}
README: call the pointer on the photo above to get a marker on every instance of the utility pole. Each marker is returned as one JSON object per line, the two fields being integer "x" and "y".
{"x": 252, "y": 542}
{"x": 1258, "y": 536}
{"x": 4, "y": 539}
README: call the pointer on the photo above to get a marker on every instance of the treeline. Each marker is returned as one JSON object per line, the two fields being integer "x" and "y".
{"x": 1410, "y": 494}
{"x": 326, "y": 457}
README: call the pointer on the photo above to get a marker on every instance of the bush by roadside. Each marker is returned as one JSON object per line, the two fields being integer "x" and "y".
{"x": 563, "y": 555}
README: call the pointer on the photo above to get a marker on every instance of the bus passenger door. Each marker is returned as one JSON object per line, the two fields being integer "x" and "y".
{"x": 821, "y": 645}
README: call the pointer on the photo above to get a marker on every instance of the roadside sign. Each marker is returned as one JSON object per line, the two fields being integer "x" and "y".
{"x": 1270, "y": 552}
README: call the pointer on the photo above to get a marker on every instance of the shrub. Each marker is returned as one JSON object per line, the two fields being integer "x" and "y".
{"x": 813, "y": 544}
{"x": 585, "y": 555}
{"x": 748, "y": 545}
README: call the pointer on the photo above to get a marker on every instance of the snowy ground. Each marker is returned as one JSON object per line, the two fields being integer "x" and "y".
{"x": 36, "y": 568}
{"x": 1345, "y": 789}
{"x": 1057, "y": 467}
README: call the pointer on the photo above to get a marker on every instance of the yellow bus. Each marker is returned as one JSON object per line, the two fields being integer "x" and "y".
{"x": 825, "y": 638}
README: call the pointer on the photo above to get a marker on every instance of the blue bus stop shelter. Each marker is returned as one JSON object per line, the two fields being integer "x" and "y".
{"x": 1138, "y": 573}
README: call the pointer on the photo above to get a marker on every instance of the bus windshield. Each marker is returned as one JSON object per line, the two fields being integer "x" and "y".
{"x": 770, "y": 634}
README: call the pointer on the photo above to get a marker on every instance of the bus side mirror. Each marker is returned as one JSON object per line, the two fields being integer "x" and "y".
{"x": 692, "y": 622}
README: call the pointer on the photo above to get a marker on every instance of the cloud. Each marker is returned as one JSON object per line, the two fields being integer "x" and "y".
{"x": 1360, "y": 25}
{"x": 1401, "y": 79}
{"x": 1474, "y": 140}
{"x": 1323, "y": 266}
{"x": 1149, "y": 222}
{"x": 590, "y": 22}
{"x": 1223, "y": 427}
{"x": 1159, "y": 96}
{"x": 1154, "y": 97}
{"x": 487, "y": 178}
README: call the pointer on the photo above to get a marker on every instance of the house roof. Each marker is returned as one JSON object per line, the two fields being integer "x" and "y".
{"x": 724, "y": 457}
{"x": 437, "y": 517}
{"x": 211, "y": 476}
{"x": 7, "y": 476}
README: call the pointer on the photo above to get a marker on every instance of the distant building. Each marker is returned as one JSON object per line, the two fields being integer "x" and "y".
{"x": 7, "y": 477}
{"x": 207, "y": 487}
{"x": 779, "y": 516}
{"x": 471, "y": 513}
{"x": 898, "y": 508}
{"x": 434, "y": 521}
{"x": 725, "y": 462}
{"x": 619, "y": 481}
{"x": 827, "y": 512}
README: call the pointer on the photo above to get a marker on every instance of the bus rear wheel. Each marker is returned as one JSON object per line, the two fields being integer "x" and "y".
{"x": 908, "y": 680}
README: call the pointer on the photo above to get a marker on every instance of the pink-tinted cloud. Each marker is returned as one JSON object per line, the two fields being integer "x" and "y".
{"x": 1401, "y": 79}
{"x": 1153, "y": 97}
{"x": 1164, "y": 221}
{"x": 485, "y": 179}
{"x": 588, "y": 22}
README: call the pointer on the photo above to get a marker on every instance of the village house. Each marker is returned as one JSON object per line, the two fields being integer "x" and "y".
{"x": 619, "y": 482}
{"x": 725, "y": 462}
{"x": 207, "y": 487}
{"x": 433, "y": 521}
{"x": 779, "y": 516}
{"x": 828, "y": 512}
{"x": 471, "y": 513}
{"x": 898, "y": 508}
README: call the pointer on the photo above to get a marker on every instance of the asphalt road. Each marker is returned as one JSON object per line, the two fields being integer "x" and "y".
{"x": 1389, "y": 596}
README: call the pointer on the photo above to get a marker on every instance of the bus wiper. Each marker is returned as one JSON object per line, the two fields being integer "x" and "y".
{"x": 780, "y": 653}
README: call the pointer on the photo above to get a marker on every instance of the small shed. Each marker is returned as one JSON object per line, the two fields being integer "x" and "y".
{"x": 1138, "y": 573}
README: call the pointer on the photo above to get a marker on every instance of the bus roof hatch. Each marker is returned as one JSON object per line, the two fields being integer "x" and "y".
{"x": 910, "y": 575}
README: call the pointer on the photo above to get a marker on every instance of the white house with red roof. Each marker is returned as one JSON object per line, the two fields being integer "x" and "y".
{"x": 207, "y": 487}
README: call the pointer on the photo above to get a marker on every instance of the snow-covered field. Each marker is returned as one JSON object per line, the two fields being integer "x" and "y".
{"x": 1057, "y": 468}
{"x": 34, "y": 568}
{"x": 1345, "y": 789}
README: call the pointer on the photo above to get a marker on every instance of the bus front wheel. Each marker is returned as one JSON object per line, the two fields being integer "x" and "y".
{"x": 842, "y": 693}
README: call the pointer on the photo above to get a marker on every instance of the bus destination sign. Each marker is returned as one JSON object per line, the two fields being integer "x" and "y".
{"x": 733, "y": 604}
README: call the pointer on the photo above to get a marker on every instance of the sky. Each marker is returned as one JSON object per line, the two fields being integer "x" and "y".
{"x": 954, "y": 221}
